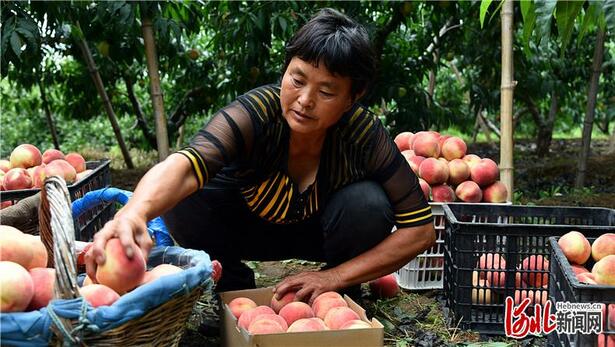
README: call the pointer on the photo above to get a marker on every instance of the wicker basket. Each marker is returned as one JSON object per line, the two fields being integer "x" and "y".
{"x": 161, "y": 326}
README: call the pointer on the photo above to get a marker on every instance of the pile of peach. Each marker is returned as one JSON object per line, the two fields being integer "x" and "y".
{"x": 329, "y": 311}
{"x": 27, "y": 168}
{"x": 27, "y": 284}
{"x": 578, "y": 251}
{"x": 446, "y": 172}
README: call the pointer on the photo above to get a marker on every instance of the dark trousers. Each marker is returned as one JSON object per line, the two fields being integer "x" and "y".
{"x": 218, "y": 221}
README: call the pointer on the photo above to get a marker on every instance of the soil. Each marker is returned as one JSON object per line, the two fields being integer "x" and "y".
{"x": 415, "y": 318}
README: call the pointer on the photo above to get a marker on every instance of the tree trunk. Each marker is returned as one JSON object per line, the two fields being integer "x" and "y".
{"x": 50, "y": 123}
{"x": 87, "y": 55}
{"x": 506, "y": 99}
{"x": 162, "y": 138}
{"x": 180, "y": 137}
{"x": 591, "y": 109}
{"x": 545, "y": 129}
{"x": 611, "y": 149}
{"x": 136, "y": 106}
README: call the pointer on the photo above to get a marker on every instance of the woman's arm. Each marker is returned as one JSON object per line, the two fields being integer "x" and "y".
{"x": 162, "y": 187}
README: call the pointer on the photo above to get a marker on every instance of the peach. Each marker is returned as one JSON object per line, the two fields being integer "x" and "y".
{"x": 492, "y": 262}
{"x": 442, "y": 193}
{"x": 273, "y": 317}
{"x": 441, "y": 141}
{"x": 277, "y": 304}
{"x": 248, "y": 316}
{"x": 471, "y": 159}
{"x": 535, "y": 296}
{"x": 402, "y": 139}
{"x": 481, "y": 294}
{"x": 459, "y": 171}
{"x": 25, "y": 156}
{"x": 425, "y": 188}
{"x": 326, "y": 295}
{"x": 606, "y": 340}
{"x": 5, "y": 165}
{"x": 87, "y": 281}
{"x": 160, "y": 271}
{"x": 51, "y": 155}
{"x": 337, "y": 316}
{"x": 485, "y": 172}
{"x": 323, "y": 306}
{"x": 454, "y": 148}
{"x": 575, "y": 246}
{"x": 307, "y": 324}
{"x": 586, "y": 277}
{"x": 415, "y": 163}
{"x": 519, "y": 282}
{"x": 119, "y": 272}
{"x": 578, "y": 269}
{"x": 15, "y": 246}
{"x": 38, "y": 176}
{"x": 535, "y": 263}
{"x": 296, "y": 310}
{"x": 265, "y": 326}
{"x": 433, "y": 171}
{"x": 426, "y": 145}
{"x": 384, "y": 287}
{"x": 61, "y": 168}
{"x": 39, "y": 252}
{"x": 604, "y": 270}
{"x": 469, "y": 191}
{"x": 240, "y": 305}
{"x": 604, "y": 245}
{"x": 17, "y": 178}
{"x": 408, "y": 153}
{"x": 83, "y": 174}
{"x": 495, "y": 193}
{"x": 99, "y": 295}
{"x": 5, "y": 204}
{"x": 76, "y": 161}
{"x": 355, "y": 324}
{"x": 43, "y": 280}
{"x": 16, "y": 287}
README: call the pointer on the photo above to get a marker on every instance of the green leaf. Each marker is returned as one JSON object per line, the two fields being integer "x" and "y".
{"x": 544, "y": 13}
{"x": 283, "y": 23}
{"x": 484, "y": 6}
{"x": 526, "y": 6}
{"x": 609, "y": 12}
{"x": 566, "y": 13}
{"x": 16, "y": 43}
{"x": 529, "y": 22}
{"x": 590, "y": 19}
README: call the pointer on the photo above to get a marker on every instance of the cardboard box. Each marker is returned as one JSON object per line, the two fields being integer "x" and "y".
{"x": 234, "y": 336}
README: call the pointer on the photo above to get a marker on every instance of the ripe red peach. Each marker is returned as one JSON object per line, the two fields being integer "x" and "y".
{"x": 415, "y": 163}
{"x": 265, "y": 326}
{"x": 17, "y": 178}
{"x": 99, "y": 295}
{"x": 481, "y": 293}
{"x": 495, "y": 193}
{"x": 326, "y": 295}
{"x": 402, "y": 139}
{"x": 425, "y": 188}
{"x": 307, "y": 324}
{"x": 604, "y": 245}
{"x": 408, "y": 153}
{"x": 296, "y": 310}
{"x": 76, "y": 161}
{"x": 5, "y": 165}
{"x": 485, "y": 172}
{"x": 248, "y": 316}
{"x": 384, "y": 287}
{"x": 38, "y": 176}
{"x": 16, "y": 287}
{"x": 337, "y": 316}
{"x": 119, "y": 272}
{"x": 15, "y": 246}
{"x": 491, "y": 262}
{"x": 240, "y": 305}
{"x": 39, "y": 252}
{"x": 469, "y": 191}
{"x": 426, "y": 145}
{"x": 270, "y": 316}
{"x": 606, "y": 340}
{"x": 471, "y": 159}
{"x": 459, "y": 171}
{"x": 277, "y": 305}
{"x": 535, "y": 263}
{"x": 323, "y": 306}
{"x": 442, "y": 193}
{"x": 356, "y": 324}
{"x": 604, "y": 270}
{"x": 43, "y": 281}
{"x": 454, "y": 148}
{"x": 51, "y": 155}
{"x": 586, "y": 277}
{"x": 575, "y": 247}
{"x": 578, "y": 269}
{"x": 441, "y": 141}
{"x": 25, "y": 156}
{"x": 160, "y": 271}
{"x": 61, "y": 168}
{"x": 433, "y": 171}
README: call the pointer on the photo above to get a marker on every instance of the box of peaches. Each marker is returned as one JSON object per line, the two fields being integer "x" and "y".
{"x": 255, "y": 317}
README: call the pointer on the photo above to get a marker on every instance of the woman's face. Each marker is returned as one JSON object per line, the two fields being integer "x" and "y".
{"x": 313, "y": 99}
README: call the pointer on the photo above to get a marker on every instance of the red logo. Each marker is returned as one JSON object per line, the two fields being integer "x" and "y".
{"x": 517, "y": 324}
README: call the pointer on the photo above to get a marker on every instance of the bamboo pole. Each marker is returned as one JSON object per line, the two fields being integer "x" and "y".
{"x": 506, "y": 99}
{"x": 162, "y": 139}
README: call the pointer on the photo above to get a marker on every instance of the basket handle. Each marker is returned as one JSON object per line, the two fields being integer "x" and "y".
{"x": 58, "y": 235}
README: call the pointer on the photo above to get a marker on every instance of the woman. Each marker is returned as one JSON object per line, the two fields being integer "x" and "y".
{"x": 299, "y": 170}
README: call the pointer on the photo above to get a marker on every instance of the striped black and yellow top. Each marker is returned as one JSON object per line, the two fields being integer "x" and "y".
{"x": 246, "y": 144}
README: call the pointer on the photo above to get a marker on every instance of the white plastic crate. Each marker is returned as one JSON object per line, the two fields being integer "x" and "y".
{"x": 426, "y": 270}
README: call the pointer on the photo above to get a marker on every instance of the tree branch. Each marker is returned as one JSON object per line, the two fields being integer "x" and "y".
{"x": 136, "y": 106}
{"x": 178, "y": 117}
{"x": 381, "y": 35}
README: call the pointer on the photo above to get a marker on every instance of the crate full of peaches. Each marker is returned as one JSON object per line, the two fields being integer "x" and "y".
{"x": 447, "y": 172}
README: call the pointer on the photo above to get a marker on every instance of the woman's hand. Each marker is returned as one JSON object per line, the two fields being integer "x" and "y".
{"x": 309, "y": 284}
{"x": 131, "y": 229}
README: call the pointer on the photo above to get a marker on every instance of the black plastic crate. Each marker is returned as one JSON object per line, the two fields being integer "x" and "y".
{"x": 566, "y": 287}
{"x": 90, "y": 221}
{"x": 514, "y": 233}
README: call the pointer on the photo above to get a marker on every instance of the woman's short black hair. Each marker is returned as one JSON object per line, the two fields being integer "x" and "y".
{"x": 340, "y": 43}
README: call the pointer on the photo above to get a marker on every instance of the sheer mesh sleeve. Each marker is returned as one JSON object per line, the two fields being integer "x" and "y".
{"x": 228, "y": 135}
{"x": 389, "y": 168}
